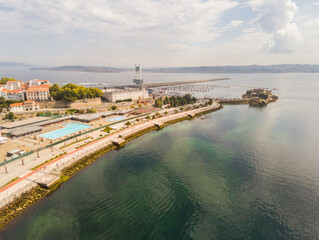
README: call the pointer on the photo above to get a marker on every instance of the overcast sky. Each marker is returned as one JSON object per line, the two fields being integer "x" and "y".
{"x": 159, "y": 33}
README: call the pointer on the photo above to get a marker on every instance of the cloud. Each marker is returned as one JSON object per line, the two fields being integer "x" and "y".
{"x": 187, "y": 19}
{"x": 276, "y": 17}
{"x": 233, "y": 24}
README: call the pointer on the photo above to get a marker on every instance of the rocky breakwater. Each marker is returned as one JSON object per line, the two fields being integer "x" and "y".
{"x": 259, "y": 97}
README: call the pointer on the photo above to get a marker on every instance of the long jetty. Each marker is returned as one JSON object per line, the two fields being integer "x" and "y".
{"x": 163, "y": 84}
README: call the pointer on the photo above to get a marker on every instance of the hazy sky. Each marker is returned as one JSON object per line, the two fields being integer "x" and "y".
{"x": 120, "y": 33}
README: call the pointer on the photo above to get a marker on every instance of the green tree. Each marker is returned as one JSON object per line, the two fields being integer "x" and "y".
{"x": 54, "y": 91}
{"x": 107, "y": 129}
{"x": 158, "y": 103}
{"x": 114, "y": 107}
{"x": 72, "y": 92}
{"x": 128, "y": 123}
{"x": 11, "y": 116}
{"x": 4, "y": 80}
{"x": 166, "y": 101}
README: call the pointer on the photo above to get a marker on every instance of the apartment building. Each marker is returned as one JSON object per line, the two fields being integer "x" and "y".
{"x": 133, "y": 94}
{"x": 38, "y": 93}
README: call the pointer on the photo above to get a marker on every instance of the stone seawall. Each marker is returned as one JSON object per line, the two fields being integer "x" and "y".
{"x": 75, "y": 104}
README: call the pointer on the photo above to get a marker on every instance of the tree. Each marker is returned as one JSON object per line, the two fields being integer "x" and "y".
{"x": 165, "y": 113}
{"x": 72, "y": 92}
{"x": 55, "y": 91}
{"x": 11, "y": 116}
{"x": 4, "y": 80}
{"x": 175, "y": 111}
{"x": 166, "y": 101}
{"x": 148, "y": 118}
{"x": 128, "y": 123}
{"x": 114, "y": 107}
{"x": 107, "y": 129}
{"x": 140, "y": 105}
{"x": 158, "y": 103}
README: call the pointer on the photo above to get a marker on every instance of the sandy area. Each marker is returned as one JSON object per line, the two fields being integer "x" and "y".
{"x": 12, "y": 144}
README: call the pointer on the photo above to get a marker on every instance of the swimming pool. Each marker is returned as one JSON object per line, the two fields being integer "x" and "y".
{"x": 68, "y": 129}
{"x": 115, "y": 119}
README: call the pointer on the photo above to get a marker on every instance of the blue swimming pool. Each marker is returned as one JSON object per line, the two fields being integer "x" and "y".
{"x": 68, "y": 129}
{"x": 116, "y": 119}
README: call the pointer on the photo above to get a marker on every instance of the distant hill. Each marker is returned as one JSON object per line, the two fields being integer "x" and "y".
{"x": 11, "y": 64}
{"x": 283, "y": 68}
{"x": 84, "y": 69}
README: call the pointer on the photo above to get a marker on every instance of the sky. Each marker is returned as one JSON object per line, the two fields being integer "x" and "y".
{"x": 159, "y": 33}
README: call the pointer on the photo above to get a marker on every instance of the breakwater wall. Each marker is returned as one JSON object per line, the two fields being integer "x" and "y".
{"x": 233, "y": 101}
{"x": 150, "y": 85}
{"x": 26, "y": 190}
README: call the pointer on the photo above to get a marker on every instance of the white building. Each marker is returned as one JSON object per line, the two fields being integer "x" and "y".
{"x": 14, "y": 85}
{"x": 38, "y": 93}
{"x": 15, "y": 95}
{"x": 3, "y": 92}
{"x": 29, "y": 105}
{"x": 133, "y": 94}
{"x": 37, "y": 82}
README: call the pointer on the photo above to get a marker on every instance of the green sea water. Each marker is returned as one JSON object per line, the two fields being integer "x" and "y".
{"x": 240, "y": 173}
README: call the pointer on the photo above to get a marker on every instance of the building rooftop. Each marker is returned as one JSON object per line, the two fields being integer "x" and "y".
{"x": 25, "y": 130}
{"x": 16, "y": 104}
{"x": 56, "y": 120}
{"x": 37, "y": 89}
{"x": 21, "y": 123}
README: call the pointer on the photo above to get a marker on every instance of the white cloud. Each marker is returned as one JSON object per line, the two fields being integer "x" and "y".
{"x": 158, "y": 32}
{"x": 187, "y": 19}
{"x": 233, "y": 24}
{"x": 276, "y": 17}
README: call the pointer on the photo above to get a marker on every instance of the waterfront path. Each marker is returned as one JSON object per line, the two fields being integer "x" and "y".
{"x": 26, "y": 178}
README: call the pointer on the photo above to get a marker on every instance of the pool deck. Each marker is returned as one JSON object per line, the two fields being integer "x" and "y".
{"x": 67, "y": 129}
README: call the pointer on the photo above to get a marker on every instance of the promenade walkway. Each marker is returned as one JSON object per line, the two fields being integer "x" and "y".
{"x": 27, "y": 178}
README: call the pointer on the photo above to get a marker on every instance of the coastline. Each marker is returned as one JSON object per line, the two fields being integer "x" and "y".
{"x": 25, "y": 199}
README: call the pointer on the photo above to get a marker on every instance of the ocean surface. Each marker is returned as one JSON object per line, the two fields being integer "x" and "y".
{"x": 240, "y": 173}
